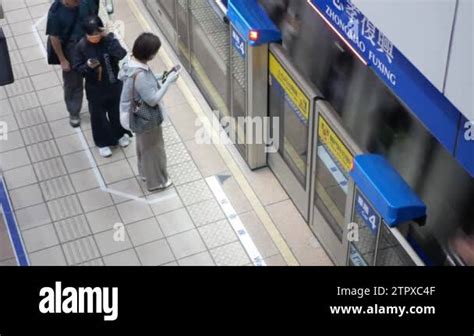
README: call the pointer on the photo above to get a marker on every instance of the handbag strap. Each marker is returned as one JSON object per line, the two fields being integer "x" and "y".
{"x": 134, "y": 101}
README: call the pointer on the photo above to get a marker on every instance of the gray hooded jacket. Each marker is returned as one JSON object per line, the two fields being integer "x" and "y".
{"x": 146, "y": 85}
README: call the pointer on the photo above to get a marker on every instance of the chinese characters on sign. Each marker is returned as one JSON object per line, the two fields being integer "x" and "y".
{"x": 367, "y": 213}
{"x": 371, "y": 43}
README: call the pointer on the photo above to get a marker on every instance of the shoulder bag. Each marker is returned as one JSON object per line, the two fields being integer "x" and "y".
{"x": 143, "y": 117}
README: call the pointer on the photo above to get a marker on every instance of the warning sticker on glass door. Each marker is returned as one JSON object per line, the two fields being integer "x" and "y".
{"x": 289, "y": 86}
{"x": 334, "y": 144}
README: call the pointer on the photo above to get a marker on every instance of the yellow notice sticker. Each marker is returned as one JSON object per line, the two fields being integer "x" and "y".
{"x": 334, "y": 144}
{"x": 291, "y": 88}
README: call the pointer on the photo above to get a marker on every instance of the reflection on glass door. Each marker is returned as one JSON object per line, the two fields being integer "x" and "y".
{"x": 334, "y": 161}
{"x": 238, "y": 84}
{"x": 293, "y": 146}
{"x": 291, "y": 101}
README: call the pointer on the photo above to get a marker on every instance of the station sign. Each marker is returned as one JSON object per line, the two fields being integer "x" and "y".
{"x": 372, "y": 47}
{"x": 366, "y": 212}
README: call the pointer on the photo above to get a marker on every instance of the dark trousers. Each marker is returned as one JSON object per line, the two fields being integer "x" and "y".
{"x": 104, "y": 109}
{"x": 73, "y": 85}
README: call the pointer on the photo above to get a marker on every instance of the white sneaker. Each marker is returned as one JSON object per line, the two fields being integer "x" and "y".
{"x": 105, "y": 152}
{"x": 124, "y": 141}
{"x": 168, "y": 184}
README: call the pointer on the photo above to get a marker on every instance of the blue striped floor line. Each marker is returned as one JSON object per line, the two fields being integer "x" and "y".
{"x": 12, "y": 227}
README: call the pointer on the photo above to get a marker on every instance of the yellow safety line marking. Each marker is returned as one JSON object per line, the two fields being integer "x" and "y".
{"x": 259, "y": 209}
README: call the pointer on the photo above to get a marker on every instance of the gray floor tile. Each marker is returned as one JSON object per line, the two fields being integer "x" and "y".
{"x": 26, "y": 40}
{"x": 10, "y": 5}
{"x": 76, "y": 162}
{"x": 10, "y": 126}
{"x": 116, "y": 171}
{"x": 52, "y": 256}
{"x": 155, "y": 254}
{"x": 134, "y": 211}
{"x": 81, "y": 250}
{"x": 50, "y": 96}
{"x": 19, "y": 87}
{"x": 206, "y": 212}
{"x": 130, "y": 188}
{"x": 40, "y": 238}
{"x": 24, "y": 102}
{"x": 276, "y": 260}
{"x": 84, "y": 180}
{"x": 69, "y": 144}
{"x": 107, "y": 242}
{"x": 37, "y": 67}
{"x": 18, "y": 15}
{"x": 57, "y": 188}
{"x": 29, "y": 118}
{"x": 50, "y": 169}
{"x": 200, "y": 259}
{"x": 144, "y": 231}
{"x": 19, "y": 70}
{"x": 5, "y": 107}
{"x": 57, "y": 111}
{"x": 72, "y": 228}
{"x": 95, "y": 199}
{"x": 61, "y": 128}
{"x": 43, "y": 151}
{"x": 103, "y": 219}
{"x": 35, "y": 134}
{"x": 14, "y": 159}
{"x": 117, "y": 155}
{"x": 14, "y": 141}
{"x": 26, "y": 196}
{"x": 177, "y": 154}
{"x": 20, "y": 177}
{"x": 259, "y": 234}
{"x": 184, "y": 173}
{"x": 39, "y": 10}
{"x": 218, "y": 234}
{"x": 170, "y": 201}
{"x": 64, "y": 207}
{"x": 95, "y": 262}
{"x": 34, "y": 216}
{"x": 186, "y": 244}
{"x": 230, "y": 255}
{"x": 124, "y": 258}
{"x": 45, "y": 80}
{"x": 175, "y": 222}
{"x": 194, "y": 192}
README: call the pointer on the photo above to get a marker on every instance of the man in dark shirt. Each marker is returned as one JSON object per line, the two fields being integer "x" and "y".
{"x": 64, "y": 27}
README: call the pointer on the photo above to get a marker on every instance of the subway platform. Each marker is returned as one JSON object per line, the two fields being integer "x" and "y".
{"x": 66, "y": 205}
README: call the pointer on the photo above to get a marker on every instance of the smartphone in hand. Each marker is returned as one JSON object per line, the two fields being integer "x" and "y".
{"x": 176, "y": 68}
{"x": 93, "y": 63}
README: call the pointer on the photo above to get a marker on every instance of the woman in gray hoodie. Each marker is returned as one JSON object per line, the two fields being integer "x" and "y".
{"x": 151, "y": 152}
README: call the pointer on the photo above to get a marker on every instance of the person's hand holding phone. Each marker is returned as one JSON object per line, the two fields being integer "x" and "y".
{"x": 172, "y": 75}
{"x": 93, "y": 63}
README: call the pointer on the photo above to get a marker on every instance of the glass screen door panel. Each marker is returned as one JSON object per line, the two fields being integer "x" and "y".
{"x": 183, "y": 35}
{"x": 210, "y": 55}
{"x": 293, "y": 131}
{"x": 239, "y": 89}
{"x": 333, "y": 163}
